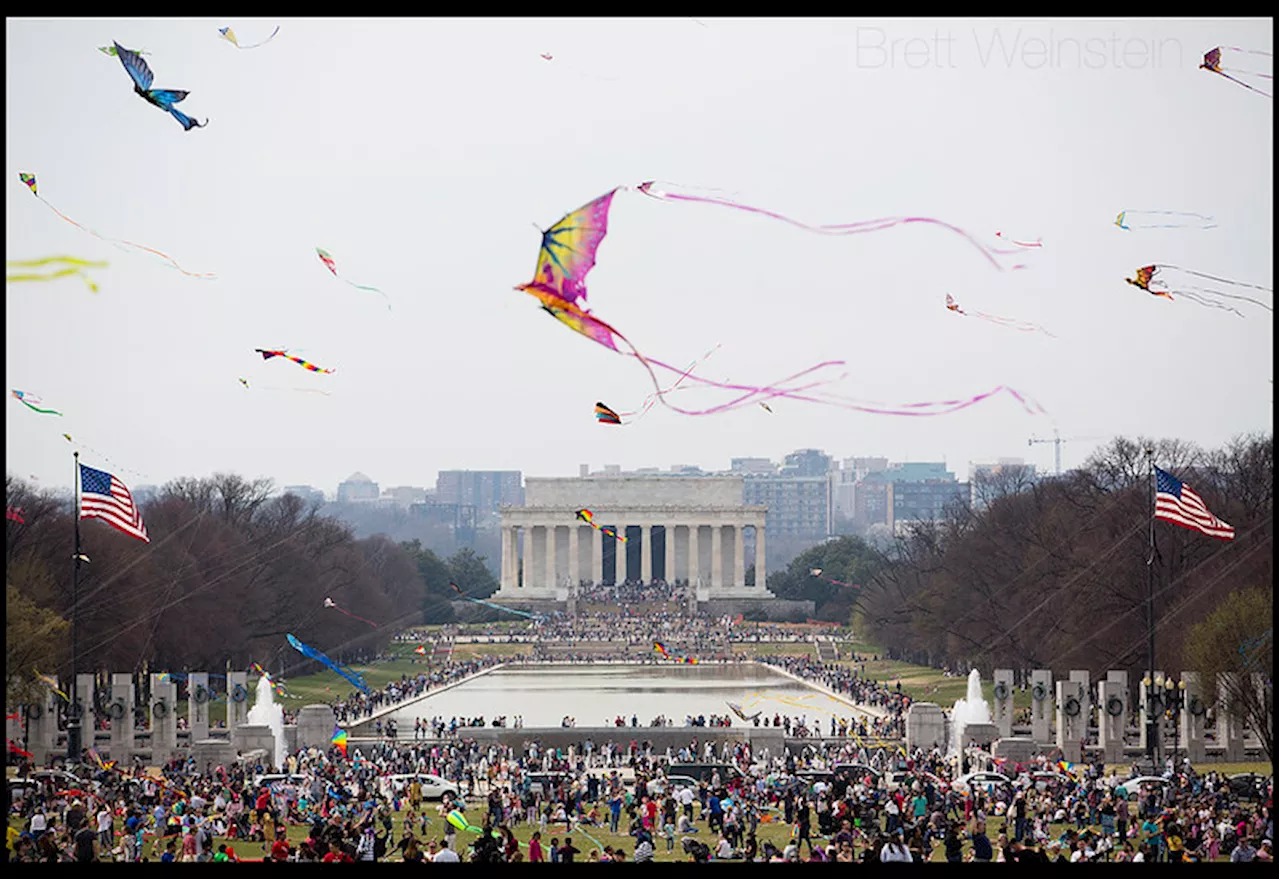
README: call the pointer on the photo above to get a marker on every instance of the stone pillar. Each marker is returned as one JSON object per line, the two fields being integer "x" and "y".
{"x": 1080, "y": 677}
{"x": 504, "y": 578}
{"x": 164, "y": 719}
{"x": 575, "y": 564}
{"x": 551, "y": 556}
{"x": 669, "y": 569}
{"x": 198, "y": 706}
{"x": 717, "y": 556}
{"x": 926, "y": 727}
{"x": 1112, "y": 712}
{"x": 1072, "y": 716}
{"x": 42, "y": 725}
{"x": 619, "y": 555}
{"x": 1122, "y": 678}
{"x": 1041, "y": 704}
{"x": 1191, "y": 719}
{"x": 1003, "y": 701}
{"x": 121, "y": 713}
{"x": 526, "y": 560}
{"x": 739, "y": 557}
{"x": 1145, "y": 708}
{"x": 237, "y": 700}
{"x": 84, "y": 698}
{"x": 315, "y": 727}
{"x": 762, "y": 575}
{"x": 597, "y": 557}
{"x": 1230, "y": 730}
{"x": 646, "y": 554}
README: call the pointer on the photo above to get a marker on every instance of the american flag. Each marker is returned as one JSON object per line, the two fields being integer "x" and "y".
{"x": 104, "y": 497}
{"x": 1177, "y": 503}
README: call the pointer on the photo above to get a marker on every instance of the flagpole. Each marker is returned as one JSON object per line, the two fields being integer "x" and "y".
{"x": 73, "y": 714}
{"x": 1153, "y": 722}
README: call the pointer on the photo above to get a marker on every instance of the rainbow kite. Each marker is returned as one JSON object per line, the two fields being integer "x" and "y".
{"x": 589, "y": 517}
{"x": 339, "y": 739}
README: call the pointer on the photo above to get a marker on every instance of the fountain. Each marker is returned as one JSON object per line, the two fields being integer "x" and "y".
{"x": 265, "y": 712}
{"x": 971, "y": 718}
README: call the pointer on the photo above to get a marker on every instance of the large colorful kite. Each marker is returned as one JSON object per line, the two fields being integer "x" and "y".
{"x": 165, "y": 99}
{"x": 30, "y": 181}
{"x": 1213, "y": 63}
{"x": 1175, "y": 282}
{"x": 31, "y": 401}
{"x": 1009, "y": 322}
{"x": 567, "y": 255}
{"x": 69, "y": 266}
{"x": 354, "y": 678}
{"x": 230, "y": 36}
{"x": 333, "y": 267}
{"x": 339, "y": 739}
{"x": 1128, "y": 220}
{"x": 268, "y": 353}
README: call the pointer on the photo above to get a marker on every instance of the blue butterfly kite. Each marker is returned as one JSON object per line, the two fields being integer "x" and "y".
{"x": 165, "y": 99}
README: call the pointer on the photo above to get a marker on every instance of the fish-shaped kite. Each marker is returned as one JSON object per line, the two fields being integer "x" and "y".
{"x": 268, "y": 353}
{"x": 1173, "y": 220}
{"x": 111, "y": 50}
{"x": 605, "y": 415}
{"x": 230, "y": 36}
{"x": 165, "y": 99}
{"x": 311, "y": 653}
{"x": 545, "y": 56}
{"x": 589, "y": 517}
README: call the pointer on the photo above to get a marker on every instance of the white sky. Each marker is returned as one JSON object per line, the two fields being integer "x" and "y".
{"x": 421, "y": 152}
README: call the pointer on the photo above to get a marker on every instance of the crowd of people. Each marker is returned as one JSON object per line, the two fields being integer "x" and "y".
{"x": 534, "y": 803}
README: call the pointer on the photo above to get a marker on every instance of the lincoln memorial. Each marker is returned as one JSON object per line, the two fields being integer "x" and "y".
{"x": 676, "y": 528}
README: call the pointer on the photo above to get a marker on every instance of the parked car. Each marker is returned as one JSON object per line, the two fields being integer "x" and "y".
{"x": 1248, "y": 785}
{"x": 544, "y": 782}
{"x": 704, "y": 771}
{"x": 433, "y": 786}
{"x": 1044, "y": 780}
{"x": 270, "y": 778}
{"x": 988, "y": 781}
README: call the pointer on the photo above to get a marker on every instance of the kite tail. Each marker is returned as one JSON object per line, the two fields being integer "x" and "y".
{"x": 263, "y": 43}
{"x": 1013, "y": 324}
{"x": 1243, "y": 83}
{"x": 370, "y": 289}
{"x": 174, "y": 263}
{"x": 1036, "y": 243}
{"x": 651, "y": 400}
{"x": 507, "y": 609}
{"x": 876, "y": 225}
{"x": 1195, "y": 297}
{"x": 53, "y": 276}
{"x": 1219, "y": 280}
{"x": 1211, "y": 292}
{"x": 354, "y": 616}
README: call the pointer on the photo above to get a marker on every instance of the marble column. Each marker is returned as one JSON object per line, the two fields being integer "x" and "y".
{"x": 739, "y": 558}
{"x": 575, "y": 564}
{"x": 717, "y": 555}
{"x": 669, "y": 572}
{"x": 526, "y": 561}
{"x": 551, "y": 555}
{"x": 761, "y": 574}
{"x": 619, "y": 555}
{"x": 597, "y": 556}
{"x": 504, "y": 580}
{"x": 198, "y": 706}
{"x": 646, "y": 553}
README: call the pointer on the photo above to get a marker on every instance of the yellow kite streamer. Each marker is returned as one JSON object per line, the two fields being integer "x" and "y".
{"x": 71, "y": 266}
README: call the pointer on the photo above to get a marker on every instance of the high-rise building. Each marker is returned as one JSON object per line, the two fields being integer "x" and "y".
{"x": 758, "y": 466}
{"x": 357, "y": 488}
{"x": 306, "y": 493}
{"x": 922, "y": 491}
{"x": 486, "y": 490}
{"x": 798, "y": 494}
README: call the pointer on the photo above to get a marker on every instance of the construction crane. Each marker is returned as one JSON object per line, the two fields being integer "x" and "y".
{"x": 1057, "y": 447}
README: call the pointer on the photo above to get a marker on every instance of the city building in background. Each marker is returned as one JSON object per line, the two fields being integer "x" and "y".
{"x": 357, "y": 488}
{"x": 486, "y": 490}
{"x": 306, "y": 493}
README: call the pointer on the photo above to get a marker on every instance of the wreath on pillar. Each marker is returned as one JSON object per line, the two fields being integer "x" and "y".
{"x": 201, "y": 695}
{"x": 1038, "y": 692}
{"x": 1115, "y": 707}
{"x": 239, "y": 694}
{"x": 1196, "y": 706}
{"x": 160, "y": 709}
{"x": 1002, "y": 691}
{"x": 118, "y": 709}
{"x": 35, "y": 711}
{"x": 74, "y": 711}
{"x": 1071, "y": 707}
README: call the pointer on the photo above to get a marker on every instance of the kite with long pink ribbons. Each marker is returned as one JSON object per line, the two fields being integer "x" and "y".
{"x": 817, "y": 572}
{"x": 328, "y": 602}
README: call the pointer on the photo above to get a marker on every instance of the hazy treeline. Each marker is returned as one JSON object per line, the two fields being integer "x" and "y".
{"x": 229, "y": 570}
{"x": 1053, "y": 573}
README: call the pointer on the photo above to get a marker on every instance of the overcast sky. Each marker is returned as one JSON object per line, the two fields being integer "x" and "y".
{"x": 421, "y": 154}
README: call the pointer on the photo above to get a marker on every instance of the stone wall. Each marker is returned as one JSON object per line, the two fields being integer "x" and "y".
{"x": 634, "y": 491}
{"x": 777, "y": 609}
